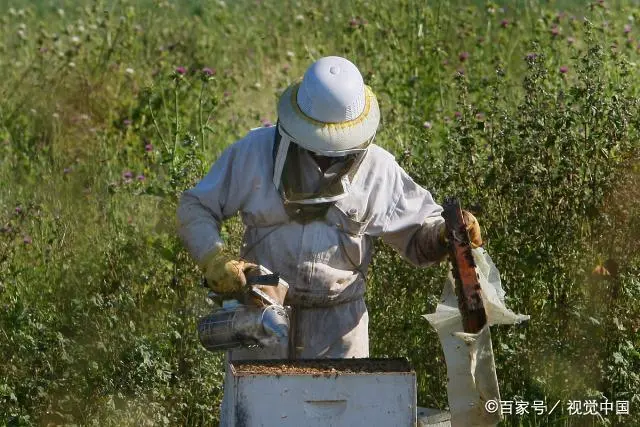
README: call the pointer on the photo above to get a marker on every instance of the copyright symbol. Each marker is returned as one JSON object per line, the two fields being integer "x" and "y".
{"x": 491, "y": 406}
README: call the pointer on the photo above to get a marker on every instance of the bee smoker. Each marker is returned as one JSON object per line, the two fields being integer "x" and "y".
{"x": 253, "y": 317}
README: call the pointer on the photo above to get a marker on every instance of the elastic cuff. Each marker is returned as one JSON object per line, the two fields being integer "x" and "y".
{"x": 217, "y": 251}
{"x": 430, "y": 243}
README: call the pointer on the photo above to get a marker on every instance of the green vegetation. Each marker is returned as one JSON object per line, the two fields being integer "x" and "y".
{"x": 108, "y": 110}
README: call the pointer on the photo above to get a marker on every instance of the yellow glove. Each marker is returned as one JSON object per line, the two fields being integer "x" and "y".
{"x": 224, "y": 274}
{"x": 473, "y": 228}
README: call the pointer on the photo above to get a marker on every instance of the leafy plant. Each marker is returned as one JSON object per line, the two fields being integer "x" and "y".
{"x": 109, "y": 110}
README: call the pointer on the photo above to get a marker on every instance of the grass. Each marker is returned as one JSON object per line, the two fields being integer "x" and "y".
{"x": 99, "y": 134}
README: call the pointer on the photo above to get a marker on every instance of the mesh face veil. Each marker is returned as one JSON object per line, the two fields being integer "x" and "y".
{"x": 299, "y": 179}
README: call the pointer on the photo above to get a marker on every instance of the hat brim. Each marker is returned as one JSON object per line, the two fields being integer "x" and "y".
{"x": 328, "y": 138}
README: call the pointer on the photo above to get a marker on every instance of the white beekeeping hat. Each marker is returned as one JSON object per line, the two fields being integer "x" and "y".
{"x": 331, "y": 112}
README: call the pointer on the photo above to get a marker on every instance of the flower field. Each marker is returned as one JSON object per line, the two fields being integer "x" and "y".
{"x": 527, "y": 111}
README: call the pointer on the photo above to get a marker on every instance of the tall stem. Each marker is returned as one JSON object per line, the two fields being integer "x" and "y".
{"x": 155, "y": 125}
{"x": 200, "y": 116}
{"x": 177, "y": 122}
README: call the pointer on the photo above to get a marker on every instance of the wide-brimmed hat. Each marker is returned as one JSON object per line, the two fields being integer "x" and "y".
{"x": 331, "y": 111}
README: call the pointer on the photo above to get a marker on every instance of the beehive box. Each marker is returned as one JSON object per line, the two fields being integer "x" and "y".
{"x": 342, "y": 392}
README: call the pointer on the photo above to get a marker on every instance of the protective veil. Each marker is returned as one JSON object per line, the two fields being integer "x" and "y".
{"x": 306, "y": 189}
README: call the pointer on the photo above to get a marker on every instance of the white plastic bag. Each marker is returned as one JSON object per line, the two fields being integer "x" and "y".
{"x": 471, "y": 368}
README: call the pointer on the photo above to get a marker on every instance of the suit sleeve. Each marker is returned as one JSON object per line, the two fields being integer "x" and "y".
{"x": 413, "y": 222}
{"x": 218, "y": 196}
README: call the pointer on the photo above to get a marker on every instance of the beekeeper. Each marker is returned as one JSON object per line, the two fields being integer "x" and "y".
{"x": 314, "y": 193}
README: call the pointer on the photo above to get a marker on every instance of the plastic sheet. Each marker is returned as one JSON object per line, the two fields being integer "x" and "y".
{"x": 470, "y": 365}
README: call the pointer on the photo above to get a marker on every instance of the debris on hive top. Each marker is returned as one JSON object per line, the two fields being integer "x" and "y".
{"x": 320, "y": 366}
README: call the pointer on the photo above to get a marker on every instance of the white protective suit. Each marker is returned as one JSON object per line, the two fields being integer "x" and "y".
{"x": 324, "y": 261}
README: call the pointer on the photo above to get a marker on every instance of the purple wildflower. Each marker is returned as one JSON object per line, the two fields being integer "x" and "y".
{"x": 43, "y": 49}
{"x": 27, "y": 240}
{"x": 127, "y": 175}
{"x": 460, "y": 71}
{"x": 427, "y": 125}
{"x": 458, "y": 114}
{"x": 480, "y": 117}
{"x": 555, "y": 31}
{"x": 18, "y": 210}
{"x": 148, "y": 148}
{"x": 226, "y": 94}
{"x": 531, "y": 56}
{"x": 564, "y": 69}
{"x": 571, "y": 40}
{"x": 463, "y": 56}
{"x": 140, "y": 177}
{"x": 266, "y": 123}
{"x": 627, "y": 29}
{"x": 181, "y": 71}
{"x": 208, "y": 72}
{"x": 127, "y": 122}
{"x": 353, "y": 22}
{"x": 504, "y": 23}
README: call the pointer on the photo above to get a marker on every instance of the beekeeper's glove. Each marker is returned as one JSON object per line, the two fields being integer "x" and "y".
{"x": 473, "y": 228}
{"x": 223, "y": 273}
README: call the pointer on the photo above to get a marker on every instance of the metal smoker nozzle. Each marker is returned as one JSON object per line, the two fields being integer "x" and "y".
{"x": 275, "y": 321}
